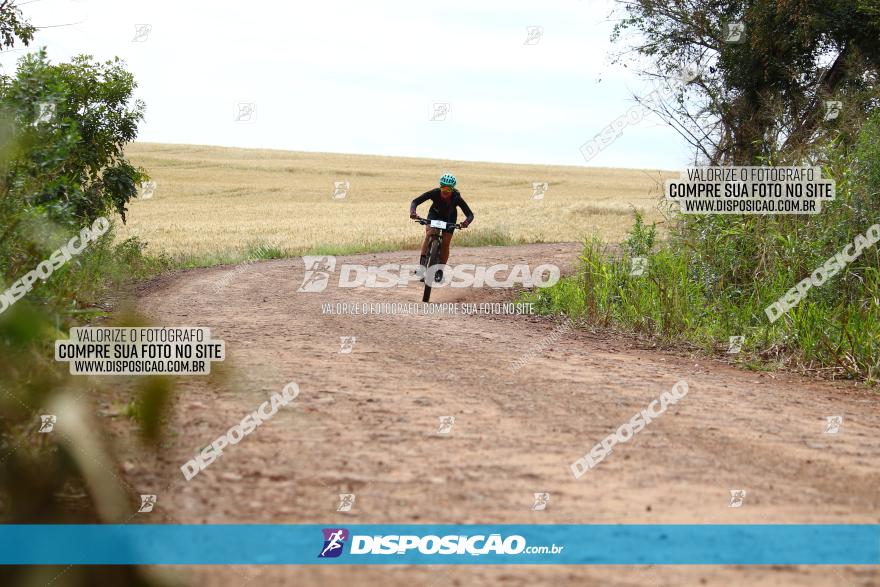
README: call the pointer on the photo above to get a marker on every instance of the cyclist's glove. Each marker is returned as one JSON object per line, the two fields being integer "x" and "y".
{"x": 466, "y": 223}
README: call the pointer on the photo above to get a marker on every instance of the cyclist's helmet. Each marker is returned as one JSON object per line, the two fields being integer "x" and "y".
{"x": 447, "y": 179}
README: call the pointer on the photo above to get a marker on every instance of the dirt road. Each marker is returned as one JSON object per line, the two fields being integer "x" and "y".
{"x": 366, "y": 422}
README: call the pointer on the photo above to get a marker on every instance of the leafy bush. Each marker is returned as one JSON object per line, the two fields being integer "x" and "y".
{"x": 715, "y": 276}
{"x": 62, "y": 167}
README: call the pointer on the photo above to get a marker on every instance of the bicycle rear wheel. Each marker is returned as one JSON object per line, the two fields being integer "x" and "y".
{"x": 433, "y": 258}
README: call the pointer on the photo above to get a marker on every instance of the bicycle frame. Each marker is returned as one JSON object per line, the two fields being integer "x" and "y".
{"x": 434, "y": 246}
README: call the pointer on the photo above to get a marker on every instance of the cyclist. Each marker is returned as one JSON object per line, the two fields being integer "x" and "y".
{"x": 444, "y": 201}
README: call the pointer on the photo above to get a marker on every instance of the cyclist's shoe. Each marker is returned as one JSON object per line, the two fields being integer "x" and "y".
{"x": 438, "y": 276}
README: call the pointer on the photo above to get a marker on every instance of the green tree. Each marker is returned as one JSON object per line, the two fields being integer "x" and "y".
{"x": 64, "y": 129}
{"x": 13, "y": 26}
{"x": 73, "y": 120}
{"x": 762, "y": 98}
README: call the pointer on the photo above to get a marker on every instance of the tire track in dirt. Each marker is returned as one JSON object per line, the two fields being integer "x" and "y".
{"x": 366, "y": 423}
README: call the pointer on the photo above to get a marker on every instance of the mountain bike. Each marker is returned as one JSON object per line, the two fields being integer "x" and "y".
{"x": 433, "y": 250}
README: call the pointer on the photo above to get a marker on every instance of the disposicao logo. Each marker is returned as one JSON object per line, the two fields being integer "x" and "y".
{"x": 334, "y": 541}
{"x": 318, "y": 271}
{"x": 451, "y": 544}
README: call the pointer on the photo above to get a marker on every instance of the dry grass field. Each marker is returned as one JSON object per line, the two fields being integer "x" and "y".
{"x": 219, "y": 205}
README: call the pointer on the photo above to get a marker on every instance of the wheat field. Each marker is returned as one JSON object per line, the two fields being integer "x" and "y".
{"x": 215, "y": 205}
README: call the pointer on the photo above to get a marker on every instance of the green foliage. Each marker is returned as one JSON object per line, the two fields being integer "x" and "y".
{"x": 149, "y": 408}
{"x": 71, "y": 123}
{"x": 715, "y": 276}
{"x": 640, "y": 241}
{"x": 14, "y": 27}
{"x": 265, "y": 251}
{"x": 759, "y": 102}
{"x": 60, "y": 170}
{"x": 62, "y": 166}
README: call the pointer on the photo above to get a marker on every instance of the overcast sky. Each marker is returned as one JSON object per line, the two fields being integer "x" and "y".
{"x": 363, "y": 77}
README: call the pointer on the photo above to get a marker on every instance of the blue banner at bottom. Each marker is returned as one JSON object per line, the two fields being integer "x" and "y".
{"x": 309, "y": 544}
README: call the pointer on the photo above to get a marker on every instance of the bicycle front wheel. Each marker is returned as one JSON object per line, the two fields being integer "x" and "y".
{"x": 433, "y": 259}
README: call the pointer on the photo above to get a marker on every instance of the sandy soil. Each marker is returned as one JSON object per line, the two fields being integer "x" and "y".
{"x": 367, "y": 423}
